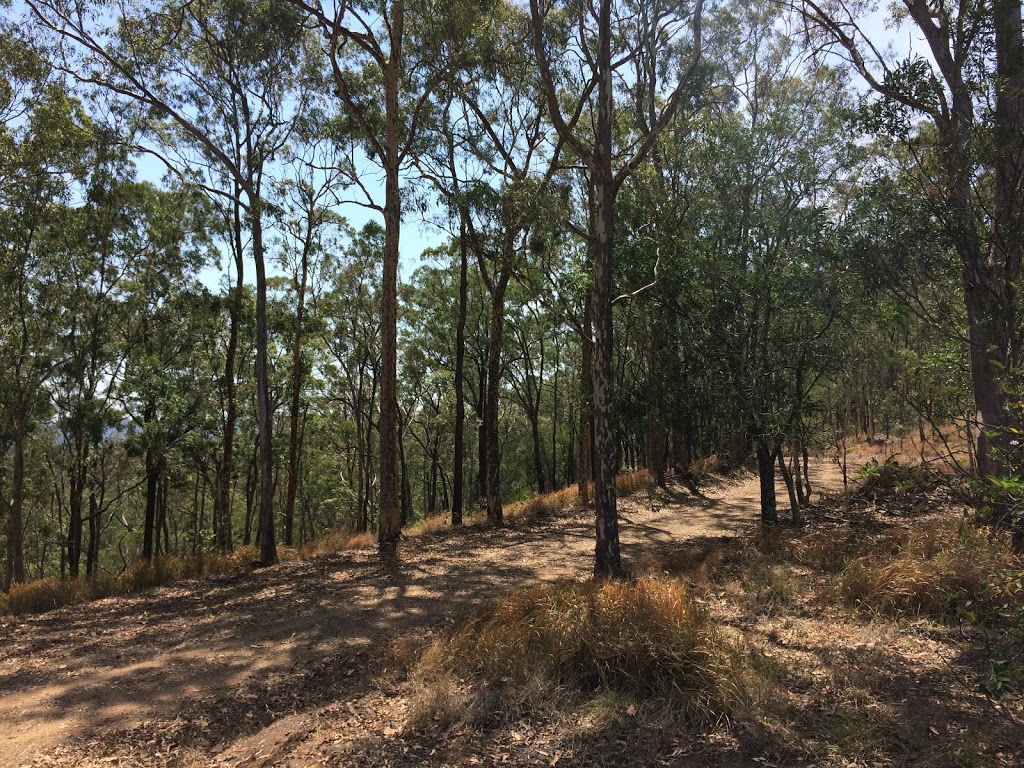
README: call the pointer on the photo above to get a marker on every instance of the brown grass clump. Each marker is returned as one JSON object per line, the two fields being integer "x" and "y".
{"x": 439, "y": 521}
{"x": 544, "y": 505}
{"x": 646, "y": 638}
{"x": 44, "y": 595}
{"x": 933, "y": 569}
{"x": 628, "y": 483}
{"x": 335, "y": 541}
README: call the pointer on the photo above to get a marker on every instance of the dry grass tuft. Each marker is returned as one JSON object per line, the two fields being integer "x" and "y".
{"x": 932, "y": 569}
{"x": 44, "y": 595}
{"x": 439, "y": 521}
{"x": 531, "y": 649}
{"x": 629, "y": 483}
{"x": 544, "y": 505}
{"x": 335, "y": 541}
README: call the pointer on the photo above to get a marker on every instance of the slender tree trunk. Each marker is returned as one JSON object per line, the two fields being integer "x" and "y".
{"x": 586, "y": 435}
{"x": 92, "y": 552}
{"x": 15, "y": 525}
{"x": 766, "y": 474}
{"x": 149, "y": 525}
{"x": 264, "y": 407}
{"x": 460, "y": 396}
{"x": 607, "y": 560}
{"x": 539, "y": 468}
{"x": 787, "y": 478}
{"x": 76, "y": 503}
{"x": 481, "y": 441}
{"x": 494, "y": 510}
{"x": 389, "y": 525}
{"x": 225, "y": 474}
{"x": 293, "y": 437}
{"x": 555, "y": 485}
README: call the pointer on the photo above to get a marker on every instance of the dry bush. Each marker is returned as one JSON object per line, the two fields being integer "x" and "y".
{"x": 707, "y": 465}
{"x": 628, "y": 483}
{"x": 544, "y": 505}
{"x": 933, "y": 569}
{"x": 44, "y": 595}
{"x": 439, "y": 521}
{"x": 335, "y": 541}
{"x": 770, "y": 587}
{"x": 532, "y": 648}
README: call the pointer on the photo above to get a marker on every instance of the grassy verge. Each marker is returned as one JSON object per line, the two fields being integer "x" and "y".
{"x": 645, "y": 642}
{"x": 44, "y": 595}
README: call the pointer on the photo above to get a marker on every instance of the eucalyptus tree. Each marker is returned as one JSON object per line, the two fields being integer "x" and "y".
{"x": 351, "y": 333}
{"x": 165, "y": 389}
{"x": 110, "y": 237}
{"x": 46, "y": 156}
{"x": 775, "y": 160}
{"x": 386, "y": 58}
{"x": 311, "y": 231}
{"x": 216, "y": 87}
{"x": 582, "y": 51}
{"x": 970, "y": 89}
{"x": 495, "y": 169}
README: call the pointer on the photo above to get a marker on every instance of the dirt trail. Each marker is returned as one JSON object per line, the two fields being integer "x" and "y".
{"x": 115, "y": 663}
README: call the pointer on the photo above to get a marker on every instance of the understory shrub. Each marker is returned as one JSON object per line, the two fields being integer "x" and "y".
{"x": 646, "y": 638}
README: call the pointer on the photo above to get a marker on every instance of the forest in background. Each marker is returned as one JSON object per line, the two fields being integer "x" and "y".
{"x": 674, "y": 231}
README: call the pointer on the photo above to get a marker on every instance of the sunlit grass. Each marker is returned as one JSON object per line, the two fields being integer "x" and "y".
{"x": 645, "y": 639}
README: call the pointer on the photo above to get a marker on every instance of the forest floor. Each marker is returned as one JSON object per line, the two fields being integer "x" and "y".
{"x": 306, "y": 663}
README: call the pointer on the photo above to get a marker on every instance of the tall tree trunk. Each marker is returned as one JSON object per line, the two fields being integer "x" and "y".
{"x": 585, "y": 471}
{"x": 15, "y": 525}
{"x": 389, "y": 525}
{"x": 154, "y": 467}
{"x": 225, "y": 468}
{"x": 555, "y": 485}
{"x": 498, "y": 288}
{"x": 264, "y": 407}
{"x": 481, "y": 432}
{"x": 538, "y": 451}
{"x": 293, "y": 437}
{"x": 460, "y": 395}
{"x": 76, "y": 506}
{"x": 787, "y": 478}
{"x": 607, "y": 560}
{"x": 766, "y": 474}
{"x": 92, "y": 551}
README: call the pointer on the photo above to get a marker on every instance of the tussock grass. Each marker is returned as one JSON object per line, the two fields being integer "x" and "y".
{"x": 544, "y": 505}
{"x": 628, "y": 483}
{"x": 43, "y": 595}
{"x": 335, "y": 541}
{"x": 936, "y": 568}
{"x": 439, "y": 521}
{"x": 537, "y": 647}
{"x": 932, "y": 569}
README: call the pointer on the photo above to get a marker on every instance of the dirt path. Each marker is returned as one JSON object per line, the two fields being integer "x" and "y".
{"x": 115, "y": 663}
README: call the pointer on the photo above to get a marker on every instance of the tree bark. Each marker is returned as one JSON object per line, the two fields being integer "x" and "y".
{"x": 293, "y": 436}
{"x": 607, "y": 559}
{"x": 494, "y": 510}
{"x": 585, "y": 471}
{"x": 460, "y": 395}
{"x": 389, "y": 524}
{"x": 766, "y": 474}
{"x": 225, "y": 469}
{"x": 149, "y": 525}
{"x": 15, "y": 525}
{"x": 264, "y": 407}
